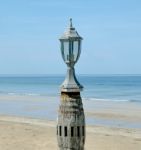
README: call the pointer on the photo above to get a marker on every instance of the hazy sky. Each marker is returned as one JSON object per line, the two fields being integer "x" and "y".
{"x": 29, "y": 32}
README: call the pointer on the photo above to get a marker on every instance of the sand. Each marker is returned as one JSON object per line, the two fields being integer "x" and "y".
{"x": 17, "y": 133}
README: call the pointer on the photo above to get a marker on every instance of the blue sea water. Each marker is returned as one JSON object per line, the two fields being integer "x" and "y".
{"x": 108, "y": 87}
{"x": 111, "y": 88}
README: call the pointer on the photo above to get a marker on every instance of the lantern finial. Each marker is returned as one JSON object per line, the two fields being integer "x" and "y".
{"x": 70, "y": 22}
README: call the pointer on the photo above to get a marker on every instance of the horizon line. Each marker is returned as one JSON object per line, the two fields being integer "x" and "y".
{"x": 44, "y": 75}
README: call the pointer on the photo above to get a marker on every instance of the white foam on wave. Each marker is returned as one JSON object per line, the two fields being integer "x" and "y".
{"x": 29, "y": 94}
{"x": 11, "y": 93}
{"x": 32, "y": 94}
{"x": 111, "y": 100}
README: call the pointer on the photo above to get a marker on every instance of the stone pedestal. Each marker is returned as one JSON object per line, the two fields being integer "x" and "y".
{"x": 71, "y": 122}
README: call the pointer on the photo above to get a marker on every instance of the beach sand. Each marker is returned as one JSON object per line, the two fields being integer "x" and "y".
{"x": 32, "y": 134}
{"x": 24, "y": 133}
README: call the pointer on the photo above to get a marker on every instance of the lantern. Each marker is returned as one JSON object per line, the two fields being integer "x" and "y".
{"x": 70, "y": 50}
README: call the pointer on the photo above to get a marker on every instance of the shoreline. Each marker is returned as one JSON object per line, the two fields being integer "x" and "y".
{"x": 20, "y": 133}
{"x": 113, "y": 114}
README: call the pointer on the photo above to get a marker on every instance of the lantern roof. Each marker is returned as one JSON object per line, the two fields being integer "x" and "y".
{"x": 71, "y": 33}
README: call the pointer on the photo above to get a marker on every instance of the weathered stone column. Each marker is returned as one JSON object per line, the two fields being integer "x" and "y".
{"x": 71, "y": 122}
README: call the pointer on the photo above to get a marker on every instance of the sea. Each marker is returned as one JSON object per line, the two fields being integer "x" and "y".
{"x": 97, "y": 88}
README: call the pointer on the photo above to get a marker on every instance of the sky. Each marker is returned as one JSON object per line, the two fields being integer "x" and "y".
{"x": 30, "y": 29}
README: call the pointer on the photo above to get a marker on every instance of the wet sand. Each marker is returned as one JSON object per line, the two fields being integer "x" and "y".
{"x": 25, "y": 133}
{"x": 19, "y": 133}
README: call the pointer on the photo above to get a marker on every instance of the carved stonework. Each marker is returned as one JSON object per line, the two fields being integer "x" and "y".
{"x": 71, "y": 122}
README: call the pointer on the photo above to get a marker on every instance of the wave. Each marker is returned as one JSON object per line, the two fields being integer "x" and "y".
{"x": 112, "y": 100}
{"x": 11, "y": 93}
{"x": 30, "y": 94}
{"x": 26, "y": 94}
{"x": 33, "y": 94}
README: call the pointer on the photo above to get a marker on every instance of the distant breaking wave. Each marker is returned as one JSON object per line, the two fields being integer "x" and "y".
{"x": 112, "y": 100}
{"x": 30, "y": 94}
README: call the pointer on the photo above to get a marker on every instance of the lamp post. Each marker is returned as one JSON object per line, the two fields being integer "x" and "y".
{"x": 71, "y": 119}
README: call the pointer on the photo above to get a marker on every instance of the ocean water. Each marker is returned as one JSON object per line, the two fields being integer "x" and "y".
{"x": 123, "y": 89}
{"x": 100, "y": 88}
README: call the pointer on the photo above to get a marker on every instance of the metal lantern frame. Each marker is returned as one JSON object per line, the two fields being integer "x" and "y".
{"x": 71, "y": 50}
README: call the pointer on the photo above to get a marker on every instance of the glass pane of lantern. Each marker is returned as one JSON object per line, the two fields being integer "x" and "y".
{"x": 65, "y": 50}
{"x": 71, "y": 55}
{"x": 76, "y": 50}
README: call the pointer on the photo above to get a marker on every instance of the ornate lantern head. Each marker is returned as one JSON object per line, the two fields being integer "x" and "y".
{"x": 70, "y": 50}
{"x": 70, "y": 45}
